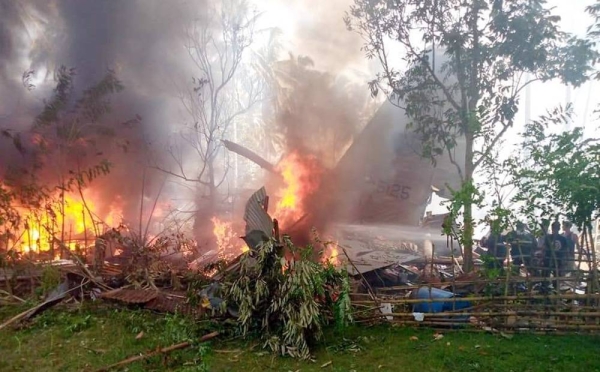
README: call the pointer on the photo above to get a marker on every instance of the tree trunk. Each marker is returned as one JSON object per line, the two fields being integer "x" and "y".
{"x": 212, "y": 188}
{"x": 473, "y": 102}
{"x": 206, "y": 209}
{"x": 468, "y": 207}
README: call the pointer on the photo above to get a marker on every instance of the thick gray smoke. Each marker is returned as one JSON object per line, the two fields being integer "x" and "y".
{"x": 320, "y": 33}
{"x": 141, "y": 40}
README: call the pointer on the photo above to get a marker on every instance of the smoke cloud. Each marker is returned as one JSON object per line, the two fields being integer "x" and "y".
{"x": 316, "y": 29}
{"x": 322, "y": 109}
{"x": 142, "y": 41}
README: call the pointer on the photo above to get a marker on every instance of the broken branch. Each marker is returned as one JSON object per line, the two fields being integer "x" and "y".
{"x": 250, "y": 155}
{"x": 164, "y": 350}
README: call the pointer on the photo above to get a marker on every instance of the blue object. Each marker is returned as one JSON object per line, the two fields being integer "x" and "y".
{"x": 437, "y": 307}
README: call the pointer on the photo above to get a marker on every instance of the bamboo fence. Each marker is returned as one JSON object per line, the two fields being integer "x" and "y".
{"x": 519, "y": 300}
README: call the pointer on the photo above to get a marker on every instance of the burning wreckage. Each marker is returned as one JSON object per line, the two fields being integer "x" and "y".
{"x": 370, "y": 208}
{"x": 369, "y": 211}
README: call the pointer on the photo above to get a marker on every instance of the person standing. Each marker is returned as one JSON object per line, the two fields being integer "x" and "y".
{"x": 522, "y": 245}
{"x": 555, "y": 248}
{"x": 572, "y": 246}
{"x": 496, "y": 248}
{"x": 539, "y": 267}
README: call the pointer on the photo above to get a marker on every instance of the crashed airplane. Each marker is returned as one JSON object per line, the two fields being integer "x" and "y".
{"x": 377, "y": 194}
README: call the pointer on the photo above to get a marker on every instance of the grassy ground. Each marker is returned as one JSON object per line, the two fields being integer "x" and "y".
{"x": 89, "y": 338}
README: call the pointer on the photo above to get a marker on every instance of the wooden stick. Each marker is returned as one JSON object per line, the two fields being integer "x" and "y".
{"x": 369, "y": 288}
{"x": 27, "y": 312}
{"x": 496, "y": 298}
{"x": 478, "y": 281}
{"x": 164, "y": 350}
{"x": 12, "y": 296}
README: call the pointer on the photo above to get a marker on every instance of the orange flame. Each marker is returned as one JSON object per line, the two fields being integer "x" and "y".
{"x": 332, "y": 253}
{"x": 228, "y": 243}
{"x": 64, "y": 220}
{"x": 302, "y": 177}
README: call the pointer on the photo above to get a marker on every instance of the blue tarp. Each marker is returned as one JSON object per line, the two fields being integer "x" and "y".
{"x": 437, "y": 307}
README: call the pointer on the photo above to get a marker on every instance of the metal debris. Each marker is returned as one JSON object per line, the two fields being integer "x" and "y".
{"x": 130, "y": 296}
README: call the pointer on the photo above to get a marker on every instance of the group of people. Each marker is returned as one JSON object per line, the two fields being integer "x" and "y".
{"x": 553, "y": 252}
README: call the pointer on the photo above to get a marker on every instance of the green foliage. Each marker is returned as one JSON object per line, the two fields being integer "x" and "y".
{"x": 345, "y": 345}
{"x": 288, "y": 300}
{"x": 69, "y": 322}
{"x": 50, "y": 278}
{"x": 72, "y": 125}
{"x": 80, "y": 324}
{"x": 468, "y": 193}
{"x": 177, "y": 329}
{"x": 557, "y": 172}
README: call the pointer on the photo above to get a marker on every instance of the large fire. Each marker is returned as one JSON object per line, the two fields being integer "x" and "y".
{"x": 302, "y": 177}
{"x": 70, "y": 221}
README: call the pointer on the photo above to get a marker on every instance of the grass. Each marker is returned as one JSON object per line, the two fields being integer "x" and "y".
{"x": 87, "y": 338}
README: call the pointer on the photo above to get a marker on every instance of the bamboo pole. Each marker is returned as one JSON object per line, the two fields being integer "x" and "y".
{"x": 453, "y": 282}
{"x": 500, "y": 280}
{"x": 368, "y": 286}
{"x": 163, "y": 350}
{"x": 497, "y": 327}
{"x": 594, "y": 266}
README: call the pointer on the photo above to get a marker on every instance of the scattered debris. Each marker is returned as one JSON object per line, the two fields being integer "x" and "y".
{"x": 419, "y": 317}
{"x": 130, "y": 296}
{"x": 392, "y": 279}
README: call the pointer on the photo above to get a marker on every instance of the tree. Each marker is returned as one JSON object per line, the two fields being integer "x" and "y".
{"x": 223, "y": 90}
{"x": 557, "y": 173}
{"x": 490, "y": 48}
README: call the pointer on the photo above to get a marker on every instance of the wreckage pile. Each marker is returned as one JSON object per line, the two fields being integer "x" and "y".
{"x": 434, "y": 293}
{"x": 274, "y": 289}
{"x": 288, "y": 296}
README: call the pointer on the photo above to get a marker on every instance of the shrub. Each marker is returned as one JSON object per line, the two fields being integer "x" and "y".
{"x": 287, "y": 299}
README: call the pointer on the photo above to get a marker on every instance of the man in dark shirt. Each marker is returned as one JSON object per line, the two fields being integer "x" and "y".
{"x": 496, "y": 248}
{"x": 522, "y": 245}
{"x": 555, "y": 250}
{"x": 572, "y": 246}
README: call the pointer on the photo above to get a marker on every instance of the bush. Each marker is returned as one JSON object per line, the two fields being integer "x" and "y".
{"x": 287, "y": 301}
